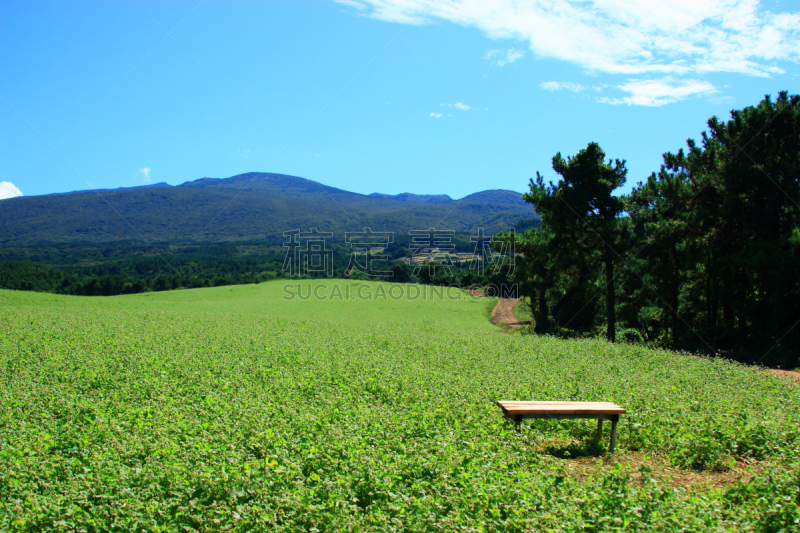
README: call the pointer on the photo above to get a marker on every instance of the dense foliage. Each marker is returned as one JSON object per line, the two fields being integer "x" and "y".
{"x": 135, "y": 276}
{"x": 583, "y": 215}
{"x": 93, "y": 269}
{"x": 707, "y": 250}
{"x": 233, "y": 408}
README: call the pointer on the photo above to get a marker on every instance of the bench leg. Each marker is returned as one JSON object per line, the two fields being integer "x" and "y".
{"x": 599, "y": 428}
{"x": 517, "y": 422}
{"x": 613, "y": 434}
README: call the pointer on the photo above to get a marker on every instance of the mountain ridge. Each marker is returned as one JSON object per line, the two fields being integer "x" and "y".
{"x": 246, "y": 206}
{"x": 249, "y": 181}
{"x": 148, "y": 186}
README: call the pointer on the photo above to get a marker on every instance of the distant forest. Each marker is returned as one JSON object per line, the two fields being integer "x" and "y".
{"x": 108, "y": 269}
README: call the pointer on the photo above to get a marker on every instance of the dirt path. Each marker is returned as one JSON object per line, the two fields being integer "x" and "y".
{"x": 792, "y": 375}
{"x": 504, "y": 313}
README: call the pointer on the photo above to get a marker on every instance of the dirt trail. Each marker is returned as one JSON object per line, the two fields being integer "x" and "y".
{"x": 792, "y": 375}
{"x": 504, "y": 313}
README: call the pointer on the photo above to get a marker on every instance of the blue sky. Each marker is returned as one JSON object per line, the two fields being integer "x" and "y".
{"x": 387, "y": 96}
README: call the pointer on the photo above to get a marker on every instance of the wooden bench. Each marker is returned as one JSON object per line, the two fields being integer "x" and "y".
{"x": 517, "y": 411}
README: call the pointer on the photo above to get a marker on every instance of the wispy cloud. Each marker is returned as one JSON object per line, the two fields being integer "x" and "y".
{"x": 8, "y": 190}
{"x": 145, "y": 172}
{"x": 655, "y": 93}
{"x": 639, "y": 39}
{"x": 500, "y": 57}
{"x": 623, "y": 36}
{"x": 650, "y": 92}
{"x": 458, "y": 105}
{"x": 436, "y": 115}
{"x": 568, "y": 86}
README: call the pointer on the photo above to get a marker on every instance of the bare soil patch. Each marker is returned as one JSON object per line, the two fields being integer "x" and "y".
{"x": 645, "y": 466}
{"x": 504, "y": 313}
{"x": 792, "y": 375}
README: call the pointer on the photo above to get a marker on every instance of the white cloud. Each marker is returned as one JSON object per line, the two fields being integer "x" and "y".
{"x": 8, "y": 190}
{"x": 503, "y": 58}
{"x": 628, "y": 37}
{"x": 644, "y": 92}
{"x": 567, "y": 86}
{"x": 458, "y": 105}
{"x": 622, "y": 36}
{"x": 436, "y": 115}
{"x": 655, "y": 93}
{"x": 145, "y": 172}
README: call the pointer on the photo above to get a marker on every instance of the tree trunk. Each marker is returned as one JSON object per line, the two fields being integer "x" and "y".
{"x": 674, "y": 303}
{"x": 674, "y": 288}
{"x": 712, "y": 292}
{"x": 727, "y": 296}
{"x": 567, "y": 298}
{"x": 543, "y": 320}
{"x": 611, "y": 318}
{"x": 714, "y": 303}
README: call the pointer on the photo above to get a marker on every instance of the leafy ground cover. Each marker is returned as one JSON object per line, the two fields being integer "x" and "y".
{"x": 234, "y": 409}
{"x": 523, "y": 310}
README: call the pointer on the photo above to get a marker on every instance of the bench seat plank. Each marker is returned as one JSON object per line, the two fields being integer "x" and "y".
{"x": 511, "y": 408}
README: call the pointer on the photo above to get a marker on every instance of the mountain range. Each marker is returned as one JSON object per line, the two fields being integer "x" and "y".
{"x": 244, "y": 207}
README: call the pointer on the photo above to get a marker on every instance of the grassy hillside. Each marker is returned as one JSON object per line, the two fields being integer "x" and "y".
{"x": 249, "y": 206}
{"x": 367, "y": 304}
{"x": 234, "y": 409}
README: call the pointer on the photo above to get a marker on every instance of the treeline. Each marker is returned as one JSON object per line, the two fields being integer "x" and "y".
{"x": 91, "y": 269}
{"x": 112, "y": 280}
{"x": 87, "y": 269}
{"x": 24, "y": 276}
{"x": 108, "y": 269}
{"x": 702, "y": 256}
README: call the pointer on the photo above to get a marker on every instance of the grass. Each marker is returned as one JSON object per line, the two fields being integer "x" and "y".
{"x": 342, "y": 301}
{"x": 523, "y": 310}
{"x": 233, "y": 409}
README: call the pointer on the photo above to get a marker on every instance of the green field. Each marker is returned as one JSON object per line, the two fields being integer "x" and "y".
{"x": 234, "y": 409}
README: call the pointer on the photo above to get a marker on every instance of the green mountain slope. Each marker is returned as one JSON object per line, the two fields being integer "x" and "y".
{"x": 248, "y": 206}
